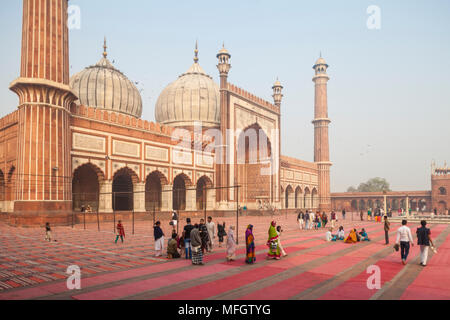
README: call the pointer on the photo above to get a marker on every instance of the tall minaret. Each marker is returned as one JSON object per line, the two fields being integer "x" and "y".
{"x": 223, "y": 168}
{"x": 321, "y": 140}
{"x": 44, "y": 174}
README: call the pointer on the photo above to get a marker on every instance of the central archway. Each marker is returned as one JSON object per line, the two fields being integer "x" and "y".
{"x": 254, "y": 154}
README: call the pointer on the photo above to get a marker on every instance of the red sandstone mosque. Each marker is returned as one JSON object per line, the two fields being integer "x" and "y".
{"x": 80, "y": 141}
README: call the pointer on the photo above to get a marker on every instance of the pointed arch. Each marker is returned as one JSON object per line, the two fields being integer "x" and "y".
{"x": 299, "y": 201}
{"x": 86, "y": 182}
{"x": 153, "y": 190}
{"x": 289, "y": 197}
{"x": 203, "y": 183}
{"x": 123, "y": 189}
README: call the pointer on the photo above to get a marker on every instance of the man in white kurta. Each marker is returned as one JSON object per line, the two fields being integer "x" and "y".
{"x": 211, "y": 227}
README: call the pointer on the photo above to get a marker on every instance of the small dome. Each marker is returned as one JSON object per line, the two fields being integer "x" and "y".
{"x": 104, "y": 87}
{"x": 320, "y": 62}
{"x": 193, "y": 97}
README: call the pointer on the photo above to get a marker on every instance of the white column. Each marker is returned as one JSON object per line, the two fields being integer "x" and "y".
{"x": 167, "y": 198}
{"x": 191, "y": 196}
{"x": 211, "y": 199}
{"x": 105, "y": 198}
{"x": 139, "y": 197}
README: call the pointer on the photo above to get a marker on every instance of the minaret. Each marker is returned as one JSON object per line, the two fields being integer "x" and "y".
{"x": 321, "y": 141}
{"x": 223, "y": 168}
{"x": 277, "y": 98}
{"x": 44, "y": 174}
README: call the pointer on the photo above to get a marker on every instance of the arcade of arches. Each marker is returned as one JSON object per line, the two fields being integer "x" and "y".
{"x": 91, "y": 189}
{"x": 299, "y": 199}
{"x": 418, "y": 201}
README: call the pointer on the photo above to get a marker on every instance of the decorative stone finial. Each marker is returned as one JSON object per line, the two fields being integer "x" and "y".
{"x": 196, "y": 52}
{"x": 105, "y": 54}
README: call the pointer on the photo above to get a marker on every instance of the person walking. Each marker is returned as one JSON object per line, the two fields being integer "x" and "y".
{"x": 387, "y": 227}
{"x": 196, "y": 242}
{"x": 120, "y": 231}
{"x": 343, "y": 213}
{"x": 272, "y": 243}
{"x": 159, "y": 239}
{"x": 301, "y": 220}
{"x": 204, "y": 235}
{"x": 324, "y": 220}
{"x": 174, "y": 220}
{"x": 361, "y": 214}
{"x": 187, "y": 238}
{"x": 405, "y": 240}
{"x": 221, "y": 233}
{"x": 424, "y": 241}
{"x": 369, "y": 214}
{"x": 333, "y": 219}
{"x": 211, "y": 227}
{"x": 279, "y": 232}
{"x": 307, "y": 220}
{"x": 231, "y": 245}
{"x": 250, "y": 257}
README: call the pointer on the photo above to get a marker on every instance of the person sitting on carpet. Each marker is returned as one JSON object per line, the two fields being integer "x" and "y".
{"x": 172, "y": 247}
{"x": 328, "y": 236}
{"x": 340, "y": 235}
{"x": 364, "y": 235}
{"x": 352, "y": 237}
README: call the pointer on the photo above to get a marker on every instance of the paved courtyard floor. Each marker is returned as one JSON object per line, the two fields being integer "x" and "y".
{"x": 31, "y": 268}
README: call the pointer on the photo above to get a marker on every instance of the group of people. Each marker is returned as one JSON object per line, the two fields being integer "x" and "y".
{"x": 310, "y": 221}
{"x": 353, "y": 237}
{"x": 198, "y": 239}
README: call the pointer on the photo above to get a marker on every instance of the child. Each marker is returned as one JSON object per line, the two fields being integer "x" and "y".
{"x": 328, "y": 235}
{"x": 279, "y": 231}
{"x": 364, "y": 235}
{"x": 120, "y": 231}
{"x": 48, "y": 232}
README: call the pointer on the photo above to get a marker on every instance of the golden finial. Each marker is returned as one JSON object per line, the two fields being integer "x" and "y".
{"x": 105, "y": 54}
{"x": 196, "y": 52}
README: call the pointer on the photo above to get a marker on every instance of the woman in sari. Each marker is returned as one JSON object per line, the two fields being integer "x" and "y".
{"x": 272, "y": 243}
{"x": 250, "y": 245}
{"x": 352, "y": 238}
{"x": 231, "y": 245}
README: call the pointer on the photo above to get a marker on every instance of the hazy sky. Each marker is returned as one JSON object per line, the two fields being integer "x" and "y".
{"x": 389, "y": 94}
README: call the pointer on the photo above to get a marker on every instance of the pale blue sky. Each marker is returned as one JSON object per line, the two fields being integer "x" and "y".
{"x": 389, "y": 88}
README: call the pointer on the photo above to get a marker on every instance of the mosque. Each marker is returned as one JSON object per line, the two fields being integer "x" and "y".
{"x": 80, "y": 141}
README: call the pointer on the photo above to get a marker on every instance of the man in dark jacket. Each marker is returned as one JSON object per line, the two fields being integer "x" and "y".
{"x": 424, "y": 241}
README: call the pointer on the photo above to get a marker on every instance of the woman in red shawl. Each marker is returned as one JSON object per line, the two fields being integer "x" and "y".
{"x": 250, "y": 245}
{"x": 120, "y": 231}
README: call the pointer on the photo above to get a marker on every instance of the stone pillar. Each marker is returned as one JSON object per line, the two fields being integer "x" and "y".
{"x": 139, "y": 197}
{"x": 105, "y": 197}
{"x": 210, "y": 199}
{"x": 167, "y": 198}
{"x": 191, "y": 196}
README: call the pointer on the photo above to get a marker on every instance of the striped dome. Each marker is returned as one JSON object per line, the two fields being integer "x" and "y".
{"x": 104, "y": 87}
{"x": 193, "y": 97}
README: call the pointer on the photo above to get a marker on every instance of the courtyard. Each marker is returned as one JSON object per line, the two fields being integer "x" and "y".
{"x": 31, "y": 268}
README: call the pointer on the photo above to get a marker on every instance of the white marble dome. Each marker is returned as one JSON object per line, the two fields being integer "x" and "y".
{"x": 193, "y": 97}
{"x": 103, "y": 86}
